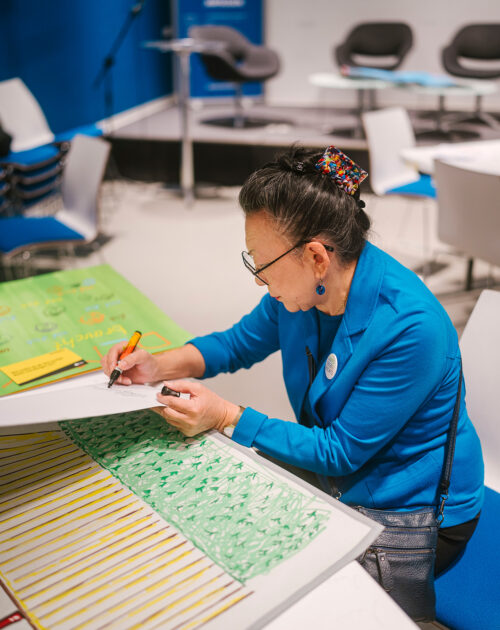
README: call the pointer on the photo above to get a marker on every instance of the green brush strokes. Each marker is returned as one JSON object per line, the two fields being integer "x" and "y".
{"x": 243, "y": 517}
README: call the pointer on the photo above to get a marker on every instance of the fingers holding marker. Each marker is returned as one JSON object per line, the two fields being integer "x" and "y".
{"x": 123, "y": 380}
{"x": 129, "y": 349}
{"x": 131, "y": 360}
{"x": 180, "y": 410}
{"x": 109, "y": 360}
{"x": 176, "y": 390}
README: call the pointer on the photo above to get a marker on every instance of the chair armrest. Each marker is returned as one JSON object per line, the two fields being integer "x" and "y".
{"x": 452, "y": 65}
{"x": 261, "y": 62}
{"x": 342, "y": 55}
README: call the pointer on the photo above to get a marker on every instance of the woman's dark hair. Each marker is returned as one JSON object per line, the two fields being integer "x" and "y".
{"x": 306, "y": 203}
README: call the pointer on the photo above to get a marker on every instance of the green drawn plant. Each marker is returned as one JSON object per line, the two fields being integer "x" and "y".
{"x": 242, "y": 516}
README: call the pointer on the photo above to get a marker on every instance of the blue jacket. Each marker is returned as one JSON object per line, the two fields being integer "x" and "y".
{"x": 382, "y": 417}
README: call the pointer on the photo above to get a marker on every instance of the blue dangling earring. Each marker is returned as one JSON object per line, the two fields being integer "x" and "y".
{"x": 320, "y": 289}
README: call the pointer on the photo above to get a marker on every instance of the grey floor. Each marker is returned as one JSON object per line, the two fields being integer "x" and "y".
{"x": 311, "y": 126}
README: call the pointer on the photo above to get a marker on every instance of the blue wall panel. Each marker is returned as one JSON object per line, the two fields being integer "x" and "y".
{"x": 58, "y": 47}
{"x": 243, "y": 15}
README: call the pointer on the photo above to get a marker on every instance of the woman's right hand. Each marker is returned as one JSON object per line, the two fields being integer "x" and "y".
{"x": 138, "y": 367}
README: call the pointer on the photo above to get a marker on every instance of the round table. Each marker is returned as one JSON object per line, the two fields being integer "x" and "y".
{"x": 365, "y": 89}
{"x": 183, "y": 48}
{"x": 482, "y": 156}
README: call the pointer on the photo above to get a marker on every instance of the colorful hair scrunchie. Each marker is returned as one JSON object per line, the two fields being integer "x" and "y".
{"x": 344, "y": 172}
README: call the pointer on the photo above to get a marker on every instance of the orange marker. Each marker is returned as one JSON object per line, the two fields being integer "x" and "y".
{"x": 130, "y": 347}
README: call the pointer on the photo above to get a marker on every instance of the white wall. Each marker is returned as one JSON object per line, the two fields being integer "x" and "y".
{"x": 304, "y": 33}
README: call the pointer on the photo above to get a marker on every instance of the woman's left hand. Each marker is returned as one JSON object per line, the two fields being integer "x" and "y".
{"x": 205, "y": 410}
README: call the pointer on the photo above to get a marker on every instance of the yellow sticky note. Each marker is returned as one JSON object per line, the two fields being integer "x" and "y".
{"x": 32, "y": 369}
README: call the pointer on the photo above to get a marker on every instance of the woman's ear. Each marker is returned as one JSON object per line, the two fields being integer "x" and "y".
{"x": 317, "y": 257}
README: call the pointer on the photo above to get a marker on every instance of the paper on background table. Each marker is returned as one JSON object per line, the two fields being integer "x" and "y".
{"x": 483, "y": 156}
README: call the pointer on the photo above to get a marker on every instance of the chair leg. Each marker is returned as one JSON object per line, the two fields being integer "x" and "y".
{"x": 490, "y": 279}
{"x": 442, "y": 130}
{"x": 469, "y": 274}
{"x": 239, "y": 119}
{"x": 478, "y": 116}
{"x": 426, "y": 269}
{"x": 27, "y": 265}
{"x": 7, "y": 269}
{"x": 372, "y": 207}
{"x": 70, "y": 254}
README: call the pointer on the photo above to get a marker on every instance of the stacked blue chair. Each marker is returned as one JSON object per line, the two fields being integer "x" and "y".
{"x": 77, "y": 220}
{"x": 33, "y": 167}
{"x": 4, "y": 191}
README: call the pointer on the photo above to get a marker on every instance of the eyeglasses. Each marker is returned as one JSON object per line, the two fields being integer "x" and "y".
{"x": 250, "y": 265}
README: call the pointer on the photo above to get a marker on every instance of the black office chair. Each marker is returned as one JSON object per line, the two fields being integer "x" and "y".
{"x": 238, "y": 61}
{"x": 473, "y": 44}
{"x": 382, "y": 45}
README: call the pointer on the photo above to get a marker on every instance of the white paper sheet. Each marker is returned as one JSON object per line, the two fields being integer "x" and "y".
{"x": 80, "y": 397}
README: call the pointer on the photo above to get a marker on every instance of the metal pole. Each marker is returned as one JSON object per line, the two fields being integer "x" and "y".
{"x": 187, "y": 169}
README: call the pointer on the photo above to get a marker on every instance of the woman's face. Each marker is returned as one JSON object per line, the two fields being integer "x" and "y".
{"x": 293, "y": 279}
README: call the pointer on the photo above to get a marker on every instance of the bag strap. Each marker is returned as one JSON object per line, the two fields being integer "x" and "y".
{"x": 444, "y": 483}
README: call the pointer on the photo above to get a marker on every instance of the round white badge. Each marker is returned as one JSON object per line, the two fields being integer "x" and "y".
{"x": 331, "y": 366}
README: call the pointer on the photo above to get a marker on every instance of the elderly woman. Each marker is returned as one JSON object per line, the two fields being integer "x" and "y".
{"x": 371, "y": 360}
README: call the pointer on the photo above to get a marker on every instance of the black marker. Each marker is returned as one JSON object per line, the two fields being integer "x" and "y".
{"x": 130, "y": 347}
{"x": 166, "y": 391}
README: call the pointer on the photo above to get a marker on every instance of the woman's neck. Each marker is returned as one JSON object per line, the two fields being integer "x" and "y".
{"x": 337, "y": 284}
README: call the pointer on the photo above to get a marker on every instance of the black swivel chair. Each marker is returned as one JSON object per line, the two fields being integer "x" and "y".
{"x": 381, "y": 45}
{"x": 238, "y": 61}
{"x": 473, "y": 44}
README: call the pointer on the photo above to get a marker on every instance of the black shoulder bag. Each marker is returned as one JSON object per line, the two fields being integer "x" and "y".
{"x": 402, "y": 558}
{"x": 5, "y": 140}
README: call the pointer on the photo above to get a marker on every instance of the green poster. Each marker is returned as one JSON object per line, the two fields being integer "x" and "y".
{"x": 83, "y": 310}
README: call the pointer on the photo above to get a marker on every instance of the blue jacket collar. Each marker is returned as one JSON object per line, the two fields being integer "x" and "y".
{"x": 360, "y": 309}
{"x": 365, "y": 289}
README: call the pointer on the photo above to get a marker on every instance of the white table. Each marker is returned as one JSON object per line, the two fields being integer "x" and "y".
{"x": 363, "y": 87}
{"x": 349, "y": 600}
{"x": 183, "y": 48}
{"x": 483, "y": 156}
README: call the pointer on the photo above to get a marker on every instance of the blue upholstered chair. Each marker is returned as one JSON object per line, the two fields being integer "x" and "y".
{"x": 77, "y": 222}
{"x": 467, "y": 593}
{"x": 35, "y": 162}
{"x": 389, "y": 131}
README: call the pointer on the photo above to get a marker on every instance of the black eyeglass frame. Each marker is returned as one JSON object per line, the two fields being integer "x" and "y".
{"x": 255, "y": 272}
